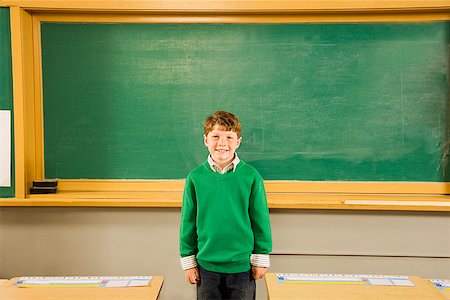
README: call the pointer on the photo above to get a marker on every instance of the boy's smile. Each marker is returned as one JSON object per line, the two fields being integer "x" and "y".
{"x": 222, "y": 145}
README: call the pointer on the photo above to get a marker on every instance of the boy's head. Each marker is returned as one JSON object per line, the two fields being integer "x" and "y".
{"x": 226, "y": 121}
{"x": 222, "y": 136}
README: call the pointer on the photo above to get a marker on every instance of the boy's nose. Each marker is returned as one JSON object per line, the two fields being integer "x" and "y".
{"x": 222, "y": 140}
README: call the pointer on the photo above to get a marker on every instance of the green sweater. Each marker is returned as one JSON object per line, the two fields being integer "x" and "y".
{"x": 224, "y": 218}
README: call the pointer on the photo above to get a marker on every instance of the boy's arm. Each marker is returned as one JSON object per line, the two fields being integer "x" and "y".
{"x": 188, "y": 232}
{"x": 259, "y": 217}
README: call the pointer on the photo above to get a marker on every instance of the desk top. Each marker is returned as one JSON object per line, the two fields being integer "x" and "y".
{"x": 421, "y": 291}
{"x": 446, "y": 294}
{"x": 150, "y": 292}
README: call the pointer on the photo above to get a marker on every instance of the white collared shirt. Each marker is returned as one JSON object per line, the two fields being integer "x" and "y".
{"x": 231, "y": 167}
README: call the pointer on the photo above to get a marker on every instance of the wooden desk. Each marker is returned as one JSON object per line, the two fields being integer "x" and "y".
{"x": 446, "y": 294}
{"x": 150, "y": 292}
{"x": 421, "y": 291}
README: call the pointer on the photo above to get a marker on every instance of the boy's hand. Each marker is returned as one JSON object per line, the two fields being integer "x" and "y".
{"x": 192, "y": 275}
{"x": 258, "y": 272}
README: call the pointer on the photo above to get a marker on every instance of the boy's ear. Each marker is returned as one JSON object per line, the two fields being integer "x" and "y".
{"x": 239, "y": 140}
{"x": 204, "y": 140}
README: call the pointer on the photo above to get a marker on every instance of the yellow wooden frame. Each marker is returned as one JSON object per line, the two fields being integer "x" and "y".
{"x": 27, "y": 87}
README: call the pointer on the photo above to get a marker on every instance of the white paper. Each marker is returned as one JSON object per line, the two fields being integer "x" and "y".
{"x": 36, "y": 281}
{"x": 5, "y": 148}
{"x": 117, "y": 283}
{"x": 380, "y": 282}
{"x": 402, "y": 282}
{"x": 139, "y": 282}
{"x": 321, "y": 278}
{"x": 69, "y": 281}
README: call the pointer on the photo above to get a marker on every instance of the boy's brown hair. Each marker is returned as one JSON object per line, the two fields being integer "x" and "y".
{"x": 226, "y": 121}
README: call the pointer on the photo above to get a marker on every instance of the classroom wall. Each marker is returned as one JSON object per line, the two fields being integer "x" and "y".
{"x": 127, "y": 241}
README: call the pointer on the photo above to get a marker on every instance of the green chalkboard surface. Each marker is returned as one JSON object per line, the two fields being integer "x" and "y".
{"x": 361, "y": 102}
{"x": 6, "y": 98}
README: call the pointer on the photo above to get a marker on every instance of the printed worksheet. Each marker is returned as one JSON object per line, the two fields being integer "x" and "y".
{"x": 384, "y": 280}
{"x": 84, "y": 281}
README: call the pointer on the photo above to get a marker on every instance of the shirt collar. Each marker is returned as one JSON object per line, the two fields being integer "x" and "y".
{"x": 231, "y": 167}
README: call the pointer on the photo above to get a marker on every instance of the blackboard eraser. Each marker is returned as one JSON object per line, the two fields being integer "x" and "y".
{"x": 45, "y": 183}
{"x": 43, "y": 190}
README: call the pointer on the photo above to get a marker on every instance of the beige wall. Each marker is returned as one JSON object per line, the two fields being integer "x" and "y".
{"x": 121, "y": 241}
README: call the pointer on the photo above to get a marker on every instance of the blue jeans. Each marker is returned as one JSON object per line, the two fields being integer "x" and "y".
{"x": 215, "y": 286}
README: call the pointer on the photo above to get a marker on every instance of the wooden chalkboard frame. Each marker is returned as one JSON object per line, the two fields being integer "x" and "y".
{"x": 26, "y": 17}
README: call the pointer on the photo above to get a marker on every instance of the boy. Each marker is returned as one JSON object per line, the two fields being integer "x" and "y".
{"x": 225, "y": 236}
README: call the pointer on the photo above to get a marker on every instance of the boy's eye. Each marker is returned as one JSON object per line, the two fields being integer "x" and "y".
{"x": 229, "y": 137}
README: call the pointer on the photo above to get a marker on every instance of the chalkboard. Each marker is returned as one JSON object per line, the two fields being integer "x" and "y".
{"x": 6, "y": 99}
{"x": 360, "y": 102}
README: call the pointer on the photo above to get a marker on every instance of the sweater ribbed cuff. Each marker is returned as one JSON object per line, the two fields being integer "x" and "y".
{"x": 260, "y": 260}
{"x": 188, "y": 262}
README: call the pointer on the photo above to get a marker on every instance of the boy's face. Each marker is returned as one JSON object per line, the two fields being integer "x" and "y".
{"x": 222, "y": 145}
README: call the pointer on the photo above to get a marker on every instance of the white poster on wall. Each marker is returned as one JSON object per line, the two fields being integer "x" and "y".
{"x": 5, "y": 148}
